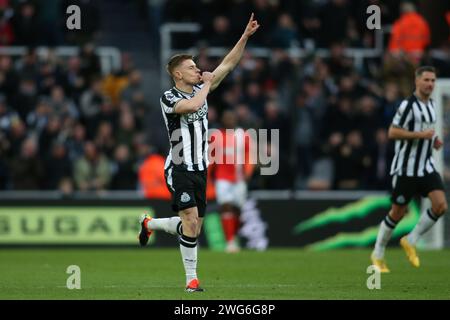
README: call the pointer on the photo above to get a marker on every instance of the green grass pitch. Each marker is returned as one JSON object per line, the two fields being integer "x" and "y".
{"x": 149, "y": 273}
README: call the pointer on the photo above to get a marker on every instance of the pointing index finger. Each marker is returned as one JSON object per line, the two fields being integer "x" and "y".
{"x": 251, "y": 17}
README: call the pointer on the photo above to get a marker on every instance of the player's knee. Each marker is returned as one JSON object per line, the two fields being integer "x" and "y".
{"x": 397, "y": 213}
{"x": 190, "y": 224}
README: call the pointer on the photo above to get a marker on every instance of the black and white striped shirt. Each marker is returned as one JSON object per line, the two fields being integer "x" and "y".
{"x": 413, "y": 158}
{"x": 187, "y": 132}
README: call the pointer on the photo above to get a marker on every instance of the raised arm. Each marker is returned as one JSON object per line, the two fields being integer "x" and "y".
{"x": 232, "y": 58}
{"x": 192, "y": 105}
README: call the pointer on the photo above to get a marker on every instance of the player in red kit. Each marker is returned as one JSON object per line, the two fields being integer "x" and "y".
{"x": 233, "y": 166}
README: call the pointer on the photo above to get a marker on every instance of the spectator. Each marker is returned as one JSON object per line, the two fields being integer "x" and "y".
{"x": 104, "y": 139}
{"x": 246, "y": 119}
{"x": 57, "y": 166}
{"x": 378, "y": 176}
{"x": 124, "y": 175}
{"x": 6, "y": 30}
{"x": 389, "y": 103}
{"x": 90, "y": 103}
{"x": 52, "y": 23}
{"x": 410, "y": 33}
{"x": 368, "y": 117}
{"x": 439, "y": 58}
{"x": 72, "y": 79}
{"x": 25, "y": 98}
{"x": 7, "y": 116}
{"x": 304, "y": 137}
{"x": 89, "y": 63}
{"x": 108, "y": 113}
{"x": 49, "y": 135}
{"x": 151, "y": 177}
{"x": 220, "y": 35}
{"x": 285, "y": 34}
{"x": 134, "y": 86}
{"x": 92, "y": 171}
{"x": 399, "y": 69}
{"x": 255, "y": 98}
{"x": 62, "y": 106}
{"x": 38, "y": 119}
{"x": 275, "y": 120}
{"x": 333, "y": 17}
{"x": 27, "y": 169}
{"x": 28, "y": 66}
{"x": 75, "y": 142}
{"x": 47, "y": 78}
{"x": 127, "y": 128}
{"x": 350, "y": 162}
{"x": 315, "y": 99}
{"x": 340, "y": 118}
{"x": 9, "y": 78}
{"x": 213, "y": 117}
{"x": 26, "y": 25}
{"x": 338, "y": 64}
{"x": 263, "y": 9}
{"x": 284, "y": 178}
{"x": 16, "y": 135}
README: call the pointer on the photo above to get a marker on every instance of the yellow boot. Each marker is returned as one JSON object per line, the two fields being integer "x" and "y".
{"x": 380, "y": 264}
{"x": 410, "y": 251}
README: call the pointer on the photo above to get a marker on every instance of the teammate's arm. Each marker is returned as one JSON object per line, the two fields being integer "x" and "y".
{"x": 232, "y": 58}
{"x": 398, "y": 133}
{"x": 401, "y": 122}
{"x": 192, "y": 105}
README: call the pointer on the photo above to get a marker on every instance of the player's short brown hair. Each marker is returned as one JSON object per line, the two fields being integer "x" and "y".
{"x": 421, "y": 70}
{"x": 176, "y": 60}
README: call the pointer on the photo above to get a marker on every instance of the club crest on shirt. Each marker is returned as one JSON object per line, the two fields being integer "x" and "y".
{"x": 185, "y": 197}
{"x": 401, "y": 199}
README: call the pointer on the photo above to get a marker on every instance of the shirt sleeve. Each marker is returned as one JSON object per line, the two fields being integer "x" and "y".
{"x": 169, "y": 101}
{"x": 403, "y": 116}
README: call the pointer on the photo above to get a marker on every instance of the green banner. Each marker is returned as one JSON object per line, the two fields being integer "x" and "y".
{"x": 351, "y": 212}
{"x": 65, "y": 225}
{"x": 214, "y": 231}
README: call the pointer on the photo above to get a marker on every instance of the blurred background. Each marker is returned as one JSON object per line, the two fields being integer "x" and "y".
{"x": 81, "y": 125}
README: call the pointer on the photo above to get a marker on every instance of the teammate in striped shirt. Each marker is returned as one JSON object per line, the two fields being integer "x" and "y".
{"x": 185, "y": 112}
{"x": 413, "y": 168}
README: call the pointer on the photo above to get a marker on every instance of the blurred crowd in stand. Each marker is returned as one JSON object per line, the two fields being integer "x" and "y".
{"x": 64, "y": 125}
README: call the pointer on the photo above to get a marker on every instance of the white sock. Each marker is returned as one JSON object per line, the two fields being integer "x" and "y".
{"x": 188, "y": 248}
{"x": 425, "y": 223}
{"x": 387, "y": 226}
{"x": 170, "y": 225}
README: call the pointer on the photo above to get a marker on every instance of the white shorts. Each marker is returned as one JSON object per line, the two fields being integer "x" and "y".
{"x": 229, "y": 192}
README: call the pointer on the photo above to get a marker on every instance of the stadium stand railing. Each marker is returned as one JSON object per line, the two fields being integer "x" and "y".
{"x": 168, "y": 29}
{"x": 110, "y": 57}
